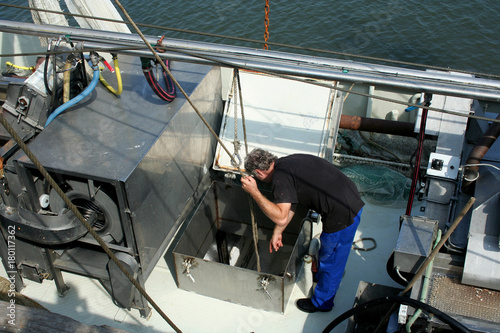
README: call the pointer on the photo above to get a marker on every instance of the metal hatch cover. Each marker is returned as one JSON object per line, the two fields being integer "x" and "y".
{"x": 283, "y": 116}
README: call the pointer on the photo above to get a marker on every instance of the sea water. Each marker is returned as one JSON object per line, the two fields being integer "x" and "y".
{"x": 448, "y": 33}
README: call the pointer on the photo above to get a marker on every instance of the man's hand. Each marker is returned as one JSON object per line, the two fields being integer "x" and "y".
{"x": 276, "y": 242}
{"x": 249, "y": 185}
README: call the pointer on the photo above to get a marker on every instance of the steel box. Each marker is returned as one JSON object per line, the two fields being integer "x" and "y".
{"x": 226, "y": 209}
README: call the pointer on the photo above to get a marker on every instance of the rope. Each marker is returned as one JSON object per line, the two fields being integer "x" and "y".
{"x": 236, "y": 91}
{"x": 348, "y": 92}
{"x": 183, "y": 92}
{"x": 373, "y": 247}
{"x": 255, "y": 230}
{"x": 80, "y": 217}
{"x": 309, "y": 49}
{"x": 266, "y": 25}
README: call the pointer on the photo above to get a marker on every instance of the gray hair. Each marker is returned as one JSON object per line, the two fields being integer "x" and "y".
{"x": 259, "y": 159}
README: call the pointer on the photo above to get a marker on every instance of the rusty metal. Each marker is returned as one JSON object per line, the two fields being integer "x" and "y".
{"x": 377, "y": 125}
{"x": 266, "y": 24}
{"x": 471, "y": 172}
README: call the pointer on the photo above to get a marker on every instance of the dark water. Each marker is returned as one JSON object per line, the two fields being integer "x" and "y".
{"x": 448, "y": 33}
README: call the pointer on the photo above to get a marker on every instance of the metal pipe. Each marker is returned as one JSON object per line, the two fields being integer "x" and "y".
{"x": 78, "y": 34}
{"x": 288, "y": 63}
{"x": 471, "y": 173}
{"x": 377, "y": 125}
{"x": 331, "y": 74}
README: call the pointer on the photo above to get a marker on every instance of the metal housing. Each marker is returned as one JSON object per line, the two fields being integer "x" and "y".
{"x": 226, "y": 208}
{"x": 141, "y": 161}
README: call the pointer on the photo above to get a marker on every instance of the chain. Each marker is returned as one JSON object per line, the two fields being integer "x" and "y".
{"x": 266, "y": 25}
{"x": 237, "y": 73}
{"x": 236, "y": 143}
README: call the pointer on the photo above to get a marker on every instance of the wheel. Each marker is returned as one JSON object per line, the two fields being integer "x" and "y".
{"x": 107, "y": 225}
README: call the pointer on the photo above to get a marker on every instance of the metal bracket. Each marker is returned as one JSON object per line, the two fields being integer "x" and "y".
{"x": 264, "y": 282}
{"x": 187, "y": 264}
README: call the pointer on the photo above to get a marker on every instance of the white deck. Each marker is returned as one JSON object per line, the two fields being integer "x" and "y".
{"x": 89, "y": 303}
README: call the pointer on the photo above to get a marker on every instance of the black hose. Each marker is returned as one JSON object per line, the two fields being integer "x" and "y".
{"x": 455, "y": 325}
{"x": 167, "y": 95}
{"x": 45, "y": 82}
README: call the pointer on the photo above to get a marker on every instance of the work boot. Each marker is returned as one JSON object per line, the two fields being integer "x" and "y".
{"x": 306, "y": 305}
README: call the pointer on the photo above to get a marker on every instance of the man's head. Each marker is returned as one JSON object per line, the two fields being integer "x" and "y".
{"x": 260, "y": 163}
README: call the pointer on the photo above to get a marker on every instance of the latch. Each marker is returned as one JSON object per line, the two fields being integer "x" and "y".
{"x": 264, "y": 282}
{"x": 187, "y": 264}
{"x": 23, "y": 103}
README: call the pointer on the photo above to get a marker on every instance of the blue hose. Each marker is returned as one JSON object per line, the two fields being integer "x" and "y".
{"x": 78, "y": 98}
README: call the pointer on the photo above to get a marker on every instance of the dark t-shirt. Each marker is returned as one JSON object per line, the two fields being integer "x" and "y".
{"x": 317, "y": 184}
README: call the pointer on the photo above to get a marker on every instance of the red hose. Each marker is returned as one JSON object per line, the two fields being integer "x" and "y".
{"x": 418, "y": 158}
{"x": 167, "y": 95}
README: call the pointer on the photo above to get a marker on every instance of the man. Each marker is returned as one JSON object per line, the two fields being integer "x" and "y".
{"x": 318, "y": 185}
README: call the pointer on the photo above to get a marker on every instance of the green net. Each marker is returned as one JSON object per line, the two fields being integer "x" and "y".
{"x": 380, "y": 185}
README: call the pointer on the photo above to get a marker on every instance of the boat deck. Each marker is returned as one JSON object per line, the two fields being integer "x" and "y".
{"x": 88, "y": 302}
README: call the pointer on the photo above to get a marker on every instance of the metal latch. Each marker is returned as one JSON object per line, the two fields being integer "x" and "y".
{"x": 187, "y": 264}
{"x": 264, "y": 282}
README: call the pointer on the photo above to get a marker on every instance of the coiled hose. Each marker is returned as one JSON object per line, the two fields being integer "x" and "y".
{"x": 166, "y": 95}
{"x": 454, "y": 324}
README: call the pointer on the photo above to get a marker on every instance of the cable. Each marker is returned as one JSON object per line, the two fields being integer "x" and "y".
{"x": 478, "y": 165}
{"x": 32, "y": 68}
{"x": 373, "y": 247}
{"x": 454, "y": 324}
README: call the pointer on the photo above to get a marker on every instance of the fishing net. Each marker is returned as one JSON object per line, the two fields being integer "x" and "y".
{"x": 380, "y": 185}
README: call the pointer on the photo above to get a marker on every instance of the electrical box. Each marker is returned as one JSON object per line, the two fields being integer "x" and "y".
{"x": 414, "y": 244}
{"x": 444, "y": 166}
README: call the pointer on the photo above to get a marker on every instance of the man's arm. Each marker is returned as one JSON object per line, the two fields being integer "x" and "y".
{"x": 278, "y": 213}
{"x": 281, "y": 214}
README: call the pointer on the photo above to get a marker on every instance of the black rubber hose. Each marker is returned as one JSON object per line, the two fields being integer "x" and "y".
{"x": 45, "y": 82}
{"x": 455, "y": 325}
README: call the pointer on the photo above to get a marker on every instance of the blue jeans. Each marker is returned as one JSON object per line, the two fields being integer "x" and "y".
{"x": 333, "y": 254}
